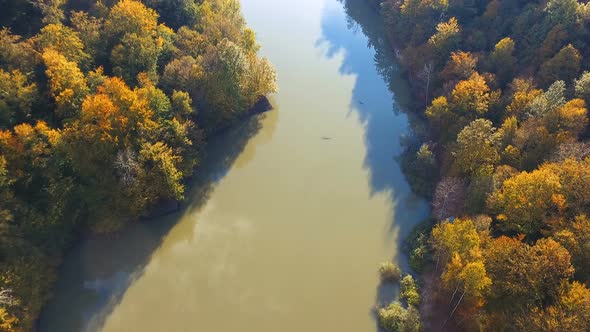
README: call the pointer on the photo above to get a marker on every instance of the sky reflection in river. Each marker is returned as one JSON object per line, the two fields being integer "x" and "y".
{"x": 290, "y": 215}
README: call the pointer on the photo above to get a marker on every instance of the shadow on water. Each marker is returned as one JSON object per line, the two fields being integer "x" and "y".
{"x": 96, "y": 274}
{"x": 380, "y": 97}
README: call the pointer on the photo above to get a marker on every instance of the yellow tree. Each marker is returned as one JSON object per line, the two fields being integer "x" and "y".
{"x": 568, "y": 121}
{"x": 571, "y": 312}
{"x": 67, "y": 83}
{"x": 64, "y": 41}
{"x": 471, "y": 96}
{"x": 525, "y": 276}
{"x": 446, "y": 37}
{"x": 460, "y": 66}
{"x": 575, "y": 237}
{"x": 526, "y": 201}
{"x": 130, "y": 16}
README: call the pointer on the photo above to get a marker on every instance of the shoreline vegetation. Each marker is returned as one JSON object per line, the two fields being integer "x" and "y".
{"x": 105, "y": 107}
{"x": 504, "y": 88}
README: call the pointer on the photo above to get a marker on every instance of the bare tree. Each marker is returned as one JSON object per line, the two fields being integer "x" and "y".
{"x": 572, "y": 150}
{"x": 449, "y": 197}
{"x": 127, "y": 166}
{"x": 6, "y": 298}
{"x": 426, "y": 75}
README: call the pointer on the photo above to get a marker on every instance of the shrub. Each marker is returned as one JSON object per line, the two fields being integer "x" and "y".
{"x": 389, "y": 272}
{"x": 396, "y": 318}
{"x": 409, "y": 291}
{"x": 417, "y": 246}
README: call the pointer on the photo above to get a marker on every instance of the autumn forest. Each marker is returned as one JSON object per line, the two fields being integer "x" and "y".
{"x": 503, "y": 87}
{"x": 107, "y": 110}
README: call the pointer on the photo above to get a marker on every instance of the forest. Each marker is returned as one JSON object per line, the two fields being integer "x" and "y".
{"x": 105, "y": 107}
{"x": 503, "y": 87}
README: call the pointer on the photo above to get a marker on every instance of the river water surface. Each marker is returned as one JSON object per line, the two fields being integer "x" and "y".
{"x": 291, "y": 212}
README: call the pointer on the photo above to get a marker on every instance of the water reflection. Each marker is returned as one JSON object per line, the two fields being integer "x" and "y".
{"x": 379, "y": 109}
{"x": 97, "y": 273}
{"x": 379, "y": 106}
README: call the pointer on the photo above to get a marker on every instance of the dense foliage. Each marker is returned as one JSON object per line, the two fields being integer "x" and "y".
{"x": 104, "y": 108}
{"x": 504, "y": 87}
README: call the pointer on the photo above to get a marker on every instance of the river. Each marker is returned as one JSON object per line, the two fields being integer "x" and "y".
{"x": 289, "y": 216}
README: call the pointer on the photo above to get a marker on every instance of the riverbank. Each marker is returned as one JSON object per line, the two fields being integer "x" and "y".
{"x": 505, "y": 112}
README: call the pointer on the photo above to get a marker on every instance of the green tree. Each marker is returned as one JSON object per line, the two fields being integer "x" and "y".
{"x": 582, "y": 86}
{"x": 477, "y": 149}
{"x": 17, "y": 97}
{"x": 503, "y": 60}
{"x": 564, "y": 12}
{"x": 409, "y": 291}
{"x": 63, "y": 40}
{"x": 565, "y": 65}
{"x": 395, "y": 318}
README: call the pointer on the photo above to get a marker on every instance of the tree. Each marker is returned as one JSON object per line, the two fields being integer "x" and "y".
{"x": 162, "y": 177}
{"x": 548, "y": 101}
{"x": 525, "y": 276}
{"x": 471, "y": 96}
{"x": 135, "y": 54}
{"x": 533, "y": 144}
{"x": 184, "y": 73}
{"x": 526, "y": 202}
{"x": 189, "y": 42}
{"x": 460, "y": 66}
{"x": 582, "y": 86}
{"x": 575, "y": 237}
{"x": 449, "y": 198}
{"x": 52, "y": 10}
{"x": 523, "y": 94}
{"x": 477, "y": 149}
{"x": 474, "y": 281}
{"x": 563, "y": 11}
{"x": 446, "y": 37}
{"x": 260, "y": 79}
{"x": 226, "y": 68}
{"x": 89, "y": 30}
{"x": 64, "y": 41}
{"x": 458, "y": 237}
{"x": 503, "y": 60}
{"x": 17, "y": 97}
{"x": 575, "y": 184}
{"x": 572, "y": 150}
{"x": 445, "y": 122}
{"x": 565, "y": 65}
{"x": 571, "y": 312}
{"x": 568, "y": 121}
{"x": 66, "y": 82}
{"x": 409, "y": 291}
{"x": 129, "y": 17}
{"x": 395, "y": 318}
{"x": 16, "y": 53}
{"x": 556, "y": 38}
